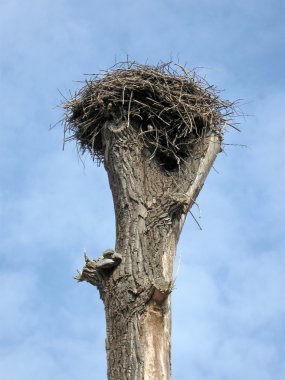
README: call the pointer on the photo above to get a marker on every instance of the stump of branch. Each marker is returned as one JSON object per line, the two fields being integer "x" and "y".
{"x": 157, "y": 130}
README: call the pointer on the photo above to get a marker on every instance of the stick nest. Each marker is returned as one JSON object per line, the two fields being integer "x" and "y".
{"x": 173, "y": 108}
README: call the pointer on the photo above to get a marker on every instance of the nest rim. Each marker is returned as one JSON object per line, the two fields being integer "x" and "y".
{"x": 175, "y": 107}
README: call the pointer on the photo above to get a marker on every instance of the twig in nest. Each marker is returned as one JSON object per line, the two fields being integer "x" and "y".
{"x": 180, "y": 106}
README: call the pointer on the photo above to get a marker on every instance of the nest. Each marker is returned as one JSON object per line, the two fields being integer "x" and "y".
{"x": 172, "y": 107}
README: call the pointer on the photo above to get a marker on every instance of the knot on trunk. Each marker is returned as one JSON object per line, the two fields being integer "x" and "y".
{"x": 162, "y": 289}
{"x": 97, "y": 272}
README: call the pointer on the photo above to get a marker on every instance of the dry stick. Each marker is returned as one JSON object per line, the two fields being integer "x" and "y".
{"x": 129, "y": 108}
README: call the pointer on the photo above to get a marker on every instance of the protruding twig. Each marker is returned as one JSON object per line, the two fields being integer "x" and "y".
{"x": 86, "y": 257}
{"x": 79, "y": 276}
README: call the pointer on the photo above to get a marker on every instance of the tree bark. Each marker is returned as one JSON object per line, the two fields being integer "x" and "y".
{"x": 150, "y": 204}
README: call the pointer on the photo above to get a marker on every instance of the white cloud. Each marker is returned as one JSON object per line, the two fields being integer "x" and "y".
{"x": 17, "y": 294}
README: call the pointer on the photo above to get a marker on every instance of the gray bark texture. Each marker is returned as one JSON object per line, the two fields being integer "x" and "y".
{"x": 136, "y": 279}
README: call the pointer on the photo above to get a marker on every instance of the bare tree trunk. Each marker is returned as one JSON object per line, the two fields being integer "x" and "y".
{"x": 151, "y": 204}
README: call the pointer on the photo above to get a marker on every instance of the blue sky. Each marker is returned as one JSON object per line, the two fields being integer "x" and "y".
{"x": 228, "y": 303}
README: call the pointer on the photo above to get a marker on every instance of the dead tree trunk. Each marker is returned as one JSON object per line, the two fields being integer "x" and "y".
{"x": 158, "y": 136}
{"x": 150, "y": 206}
